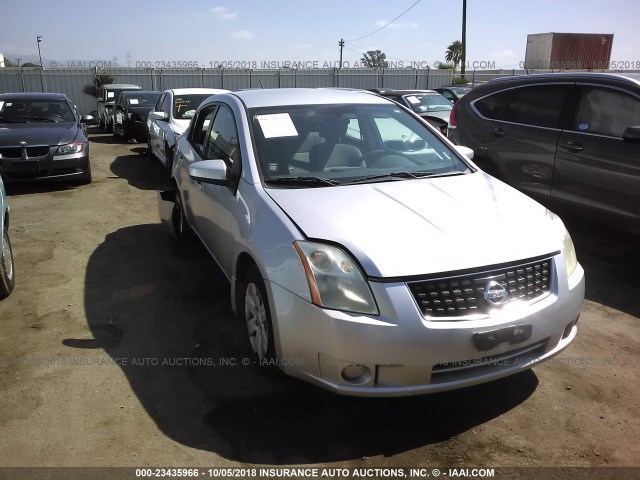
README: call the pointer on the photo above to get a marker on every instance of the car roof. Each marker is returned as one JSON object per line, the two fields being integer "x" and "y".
{"x": 196, "y": 91}
{"x": 305, "y": 96}
{"x": 121, "y": 85}
{"x": 33, "y": 96}
{"x": 388, "y": 91}
{"x": 138, "y": 92}
{"x": 568, "y": 76}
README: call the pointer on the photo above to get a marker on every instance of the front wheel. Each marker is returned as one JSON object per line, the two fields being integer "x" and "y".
{"x": 254, "y": 311}
{"x": 7, "y": 271}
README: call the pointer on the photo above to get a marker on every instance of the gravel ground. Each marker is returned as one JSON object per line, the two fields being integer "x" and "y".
{"x": 103, "y": 293}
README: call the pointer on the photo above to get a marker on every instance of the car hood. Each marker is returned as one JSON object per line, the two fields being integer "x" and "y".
{"x": 179, "y": 126}
{"x": 423, "y": 226}
{"x": 37, "y": 133}
{"x": 439, "y": 114}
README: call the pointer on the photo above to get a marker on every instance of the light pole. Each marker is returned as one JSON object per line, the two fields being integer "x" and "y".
{"x": 39, "y": 39}
{"x": 463, "y": 56}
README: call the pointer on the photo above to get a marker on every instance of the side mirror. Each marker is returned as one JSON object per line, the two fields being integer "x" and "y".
{"x": 88, "y": 119}
{"x": 119, "y": 107}
{"x": 466, "y": 151}
{"x": 158, "y": 115}
{"x": 209, "y": 171}
{"x": 631, "y": 134}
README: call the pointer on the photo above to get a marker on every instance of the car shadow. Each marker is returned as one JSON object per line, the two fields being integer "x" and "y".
{"x": 161, "y": 311}
{"x": 141, "y": 171}
{"x": 106, "y": 138}
{"x": 611, "y": 260}
{"x": 28, "y": 188}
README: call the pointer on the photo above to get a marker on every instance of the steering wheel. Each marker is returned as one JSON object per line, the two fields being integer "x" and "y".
{"x": 376, "y": 158}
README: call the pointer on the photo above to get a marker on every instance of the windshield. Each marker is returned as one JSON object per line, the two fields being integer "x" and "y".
{"x": 17, "y": 111}
{"x": 431, "y": 102}
{"x": 143, "y": 99}
{"x": 460, "y": 92}
{"x": 325, "y": 145}
{"x": 185, "y": 106}
{"x": 112, "y": 94}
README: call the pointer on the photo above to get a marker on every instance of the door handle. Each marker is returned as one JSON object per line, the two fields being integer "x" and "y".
{"x": 572, "y": 146}
{"x": 496, "y": 132}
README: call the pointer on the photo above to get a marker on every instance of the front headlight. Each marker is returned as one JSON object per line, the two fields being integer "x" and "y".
{"x": 69, "y": 148}
{"x": 570, "y": 257}
{"x": 335, "y": 280}
{"x": 568, "y": 249}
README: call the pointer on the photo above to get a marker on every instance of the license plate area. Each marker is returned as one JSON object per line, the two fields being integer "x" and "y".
{"x": 513, "y": 334}
{"x": 26, "y": 167}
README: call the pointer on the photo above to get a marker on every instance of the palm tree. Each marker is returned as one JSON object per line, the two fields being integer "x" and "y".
{"x": 454, "y": 53}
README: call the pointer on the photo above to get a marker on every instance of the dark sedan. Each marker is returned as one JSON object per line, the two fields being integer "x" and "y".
{"x": 130, "y": 114}
{"x": 42, "y": 137}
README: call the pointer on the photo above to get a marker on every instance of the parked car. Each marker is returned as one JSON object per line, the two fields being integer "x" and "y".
{"x": 130, "y": 114}
{"x": 107, "y": 98}
{"x": 453, "y": 93}
{"x": 7, "y": 271}
{"x": 367, "y": 255}
{"x": 429, "y": 104}
{"x": 42, "y": 137}
{"x": 570, "y": 140}
{"x": 170, "y": 117}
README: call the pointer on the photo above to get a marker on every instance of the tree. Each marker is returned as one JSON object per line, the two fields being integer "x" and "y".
{"x": 29, "y": 64}
{"x": 93, "y": 89}
{"x": 374, "y": 58}
{"x": 454, "y": 53}
{"x": 9, "y": 63}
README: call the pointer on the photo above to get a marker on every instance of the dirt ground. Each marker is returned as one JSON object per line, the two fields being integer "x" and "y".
{"x": 103, "y": 293}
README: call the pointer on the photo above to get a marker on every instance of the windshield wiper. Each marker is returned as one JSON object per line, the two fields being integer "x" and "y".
{"x": 402, "y": 175}
{"x": 306, "y": 181}
{"x": 36, "y": 118}
{"x": 10, "y": 120}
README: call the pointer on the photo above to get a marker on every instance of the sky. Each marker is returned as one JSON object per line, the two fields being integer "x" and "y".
{"x": 258, "y": 33}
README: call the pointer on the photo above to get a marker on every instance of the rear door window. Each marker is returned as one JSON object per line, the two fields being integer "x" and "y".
{"x": 539, "y": 105}
{"x": 494, "y": 106}
{"x": 605, "y": 111}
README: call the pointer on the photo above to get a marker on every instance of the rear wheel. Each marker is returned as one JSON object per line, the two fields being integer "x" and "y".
{"x": 7, "y": 271}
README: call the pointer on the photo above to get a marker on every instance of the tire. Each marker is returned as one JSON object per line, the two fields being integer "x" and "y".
{"x": 86, "y": 180}
{"x": 255, "y": 313}
{"x": 7, "y": 270}
{"x": 181, "y": 228}
{"x": 150, "y": 153}
{"x": 168, "y": 155}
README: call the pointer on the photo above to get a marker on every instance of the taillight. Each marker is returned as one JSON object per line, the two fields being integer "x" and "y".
{"x": 453, "y": 121}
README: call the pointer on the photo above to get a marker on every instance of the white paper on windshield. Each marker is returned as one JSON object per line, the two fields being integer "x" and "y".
{"x": 133, "y": 101}
{"x": 413, "y": 99}
{"x": 277, "y": 125}
{"x": 110, "y": 94}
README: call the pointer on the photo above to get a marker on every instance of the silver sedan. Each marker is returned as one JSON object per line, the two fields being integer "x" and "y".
{"x": 7, "y": 272}
{"x": 367, "y": 254}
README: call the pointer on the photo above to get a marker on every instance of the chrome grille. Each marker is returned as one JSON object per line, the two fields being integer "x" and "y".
{"x": 463, "y": 294}
{"x": 16, "y": 152}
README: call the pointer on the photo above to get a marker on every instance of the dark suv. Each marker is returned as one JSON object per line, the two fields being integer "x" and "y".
{"x": 570, "y": 140}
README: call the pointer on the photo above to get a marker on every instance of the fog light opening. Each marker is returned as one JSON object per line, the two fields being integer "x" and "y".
{"x": 569, "y": 327}
{"x": 356, "y": 374}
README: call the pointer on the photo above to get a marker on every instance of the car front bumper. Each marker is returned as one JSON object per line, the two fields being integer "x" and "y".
{"x": 403, "y": 353}
{"x": 49, "y": 168}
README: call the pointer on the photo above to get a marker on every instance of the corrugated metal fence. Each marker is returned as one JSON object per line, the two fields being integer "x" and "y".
{"x": 73, "y": 81}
